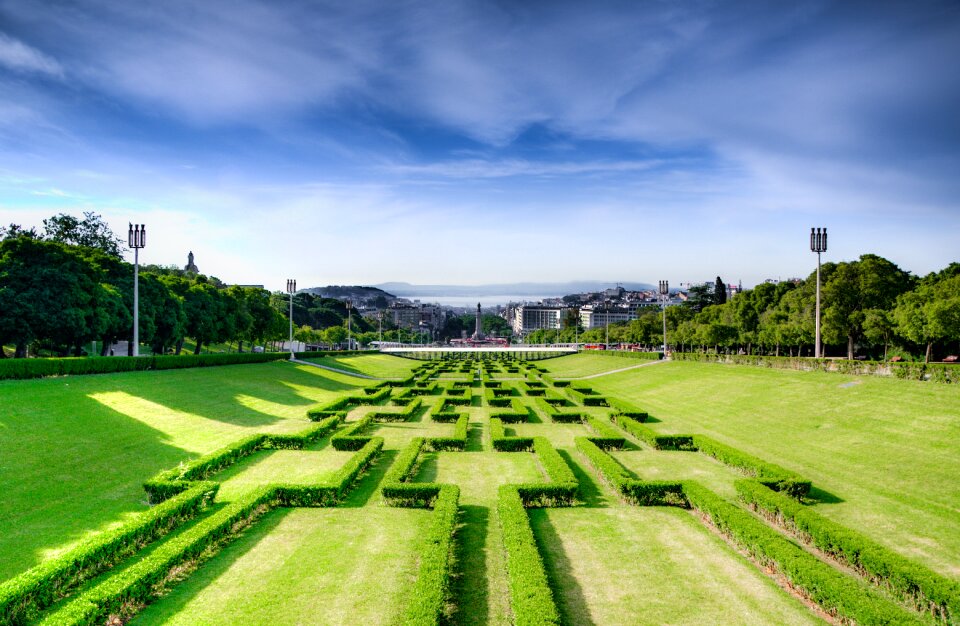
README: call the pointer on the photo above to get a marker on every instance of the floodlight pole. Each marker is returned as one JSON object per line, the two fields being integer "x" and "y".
{"x": 380, "y": 320}
{"x": 349, "y": 342}
{"x": 818, "y": 244}
{"x": 136, "y": 238}
{"x": 664, "y": 296}
{"x": 291, "y": 289}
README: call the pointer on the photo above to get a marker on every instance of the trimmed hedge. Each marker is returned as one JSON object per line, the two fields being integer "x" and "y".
{"x": 72, "y": 366}
{"x": 517, "y": 413}
{"x": 348, "y": 438}
{"x": 502, "y": 443}
{"x": 531, "y": 599}
{"x": 607, "y": 437}
{"x": 769, "y": 474}
{"x": 936, "y": 372}
{"x": 25, "y": 595}
{"x": 459, "y": 439}
{"x": 407, "y": 413}
{"x": 556, "y": 415}
{"x": 432, "y": 586}
{"x": 840, "y": 595}
{"x": 642, "y": 356}
{"x": 650, "y": 437}
{"x": 923, "y": 588}
{"x": 643, "y": 493}
{"x": 173, "y": 481}
{"x": 376, "y": 395}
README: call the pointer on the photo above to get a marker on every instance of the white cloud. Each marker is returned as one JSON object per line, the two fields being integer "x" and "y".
{"x": 18, "y": 56}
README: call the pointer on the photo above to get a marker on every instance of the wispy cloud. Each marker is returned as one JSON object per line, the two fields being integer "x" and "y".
{"x": 20, "y": 57}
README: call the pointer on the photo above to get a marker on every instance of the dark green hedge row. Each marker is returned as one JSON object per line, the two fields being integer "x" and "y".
{"x": 70, "y": 366}
{"x": 650, "y": 437}
{"x": 502, "y": 443}
{"x": 517, "y": 413}
{"x": 531, "y": 599}
{"x": 444, "y": 413}
{"x": 607, "y": 437}
{"x": 643, "y": 493}
{"x": 841, "y": 595}
{"x": 349, "y": 438}
{"x": 173, "y": 481}
{"x": 936, "y": 372}
{"x": 769, "y": 474}
{"x": 556, "y": 415}
{"x": 459, "y": 439}
{"x": 378, "y": 394}
{"x": 330, "y": 493}
{"x": 641, "y": 356}
{"x": 621, "y": 407}
{"x": 401, "y": 416}
{"x": 910, "y": 581}
{"x": 23, "y": 596}
{"x": 432, "y": 586}
{"x": 136, "y": 584}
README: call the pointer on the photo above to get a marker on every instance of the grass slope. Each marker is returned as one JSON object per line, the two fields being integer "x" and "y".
{"x": 883, "y": 450}
{"x": 377, "y": 365}
{"x": 76, "y": 450}
{"x": 587, "y": 364}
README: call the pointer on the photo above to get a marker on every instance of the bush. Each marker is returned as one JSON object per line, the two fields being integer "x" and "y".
{"x": 349, "y": 438}
{"x": 429, "y": 593}
{"x": 502, "y": 443}
{"x": 768, "y": 474}
{"x": 23, "y": 596}
{"x": 517, "y": 413}
{"x": 406, "y": 414}
{"x": 837, "y": 593}
{"x": 607, "y": 436}
{"x": 643, "y": 493}
{"x": 910, "y": 581}
{"x": 459, "y": 439}
{"x": 650, "y": 437}
{"x": 531, "y": 599}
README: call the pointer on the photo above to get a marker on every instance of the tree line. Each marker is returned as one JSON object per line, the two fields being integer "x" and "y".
{"x": 869, "y": 307}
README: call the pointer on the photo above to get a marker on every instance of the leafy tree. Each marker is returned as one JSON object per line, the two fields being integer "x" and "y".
{"x": 930, "y": 313}
{"x": 719, "y": 292}
{"x": 91, "y": 232}
{"x": 699, "y": 296}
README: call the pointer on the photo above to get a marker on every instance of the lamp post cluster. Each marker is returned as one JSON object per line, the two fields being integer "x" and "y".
{"x": 664, "y": 297}
{"x": 818, "y": 244}
{"x": 291, "y": 289}
{"x": 349, "y": 340}
{"x": 136, "y": 239}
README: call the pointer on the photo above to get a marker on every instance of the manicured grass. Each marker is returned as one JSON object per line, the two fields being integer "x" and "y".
{"x": 298, "y": 467}
{"x": 649, "y": 464}
{"x": 304, "y": 566}
{"x": 375, "y": 364}
{"x": 884, "y": 450}
{"x": 76, "y": 450}
{"x": 586, "y": 364}
{"x": 647, "y": 565}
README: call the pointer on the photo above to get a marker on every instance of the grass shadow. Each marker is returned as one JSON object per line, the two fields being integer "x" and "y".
{"x": 532, "y": 416}
{"x": 819, "y": 496}
{"x": 474, "y": 437}
{"x": 470, "y": 570}
{"x": 591, "y": 492}
{"x": 366, "y": 486}
{"x": 571, "y": 602}
{"x": 428, "y": 470}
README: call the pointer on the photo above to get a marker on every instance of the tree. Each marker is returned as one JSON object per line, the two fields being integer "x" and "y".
{"x": 91, "y": 232}
{"x": 699, "y": 296}
{"x": 205, "y": 311}
{"x": 719, "y": 292}
{"x": 878, "y": 327}
{"x": 930, "y": 313}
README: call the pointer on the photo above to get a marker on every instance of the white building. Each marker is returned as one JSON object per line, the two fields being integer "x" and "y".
{"x": 411, "y": 314}
{"x": 530, "y": 317}
{"x": 592, "y": 316}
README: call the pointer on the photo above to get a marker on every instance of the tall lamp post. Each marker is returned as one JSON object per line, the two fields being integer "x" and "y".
{"x": 136, "y": 238}
{"x": 818, "y": 244}
{"x": 291, "y": 289}
{"x": 664, "y": 295}
{"x": 349, "y": 316}
{"x": 380, "y": 320}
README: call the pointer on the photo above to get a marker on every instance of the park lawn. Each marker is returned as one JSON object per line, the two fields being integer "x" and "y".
{"x": 304, "y": 566}
{"x": 375, "y": 364}
{"x": 297, "y": 467}
{"x": 883, "y": 452}
{"x": 480, "y": 582}
{"x": 77, "y": 449}
{"x": 586, "y": 364}
{"x": 652, "y": 465}
{"x": 653, "y": 565}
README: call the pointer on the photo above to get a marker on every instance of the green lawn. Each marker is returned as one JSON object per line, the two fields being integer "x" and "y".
{"x": 76, "y": 450}
{"x": 884, "y": 450}
{"x": 375, "y": 364}
{"x": 587, "y": 364}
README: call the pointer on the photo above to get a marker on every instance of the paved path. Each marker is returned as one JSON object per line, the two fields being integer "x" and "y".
{"x": 340, "y": 371}
{"x": 622, "y": 369}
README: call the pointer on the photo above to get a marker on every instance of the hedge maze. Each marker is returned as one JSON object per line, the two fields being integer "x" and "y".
{"x": 480, "y": 444}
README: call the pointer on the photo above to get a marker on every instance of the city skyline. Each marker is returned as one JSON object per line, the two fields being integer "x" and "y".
{"x": 475, "y": 143}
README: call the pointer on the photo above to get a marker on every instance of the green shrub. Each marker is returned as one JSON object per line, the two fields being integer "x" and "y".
{"x": 607, "y": 437}
{"x": 650, "y": 437}
{"x": 406, "y": 414}
{"x": 430, "y": 590}
{"x": 502, "y": 443}
{"x": 769, "y": 474}
{"x": 643, "y": 493}
{"x": 349, "y": 438}
{"x": 838, "y": 594}
{"x": 531, "y": 599}
{"x": 23, "y": 596}
{"x": 913, "y": 582}
{"x": 459, "y": 439}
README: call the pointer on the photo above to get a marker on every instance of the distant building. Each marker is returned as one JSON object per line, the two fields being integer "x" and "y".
{"x": 411, "y": 314}
{"x": 599, "y": 316}
{"x": 530, "y": 317}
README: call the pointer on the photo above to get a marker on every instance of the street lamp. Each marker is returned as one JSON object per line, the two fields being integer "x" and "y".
{"x": 136, "y": 238}
{"x": 664, "y": 296}
{"x": 291, "y": 289}
{"x": 380, "y": 320}
{"x": 349, "y": 342}
{"x": 818, "y": 244}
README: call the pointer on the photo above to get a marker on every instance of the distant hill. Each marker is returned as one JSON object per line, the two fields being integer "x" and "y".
{"x": 372, "y": 296}
{"x": 404, "y": 290}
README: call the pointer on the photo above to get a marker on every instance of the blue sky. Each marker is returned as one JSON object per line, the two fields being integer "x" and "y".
{"x": 473, "y": 142}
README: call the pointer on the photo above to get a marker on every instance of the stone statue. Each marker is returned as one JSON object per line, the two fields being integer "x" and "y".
{"x": 191, "y": 267}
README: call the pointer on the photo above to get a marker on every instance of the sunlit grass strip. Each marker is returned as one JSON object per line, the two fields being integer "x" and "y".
{"x": 841, "y": 595}
{"x": 24, "y": 596}
{"x": 912, "y": 582}
{"x": 138, "y": 584}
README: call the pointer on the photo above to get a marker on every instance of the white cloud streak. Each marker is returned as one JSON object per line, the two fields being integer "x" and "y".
{"x": 18, "y": 56}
